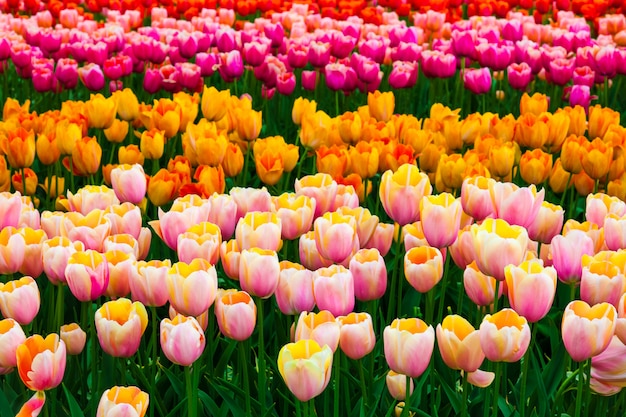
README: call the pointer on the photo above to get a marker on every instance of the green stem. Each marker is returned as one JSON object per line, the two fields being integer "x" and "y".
{"x": 23, "y": 171}
{"x": 407, "y": 398}
{"x": 496, "y": 393}
{"x": 95, "y": 379}
{"x": 465, "y": 387}
{"x": 192, "y": 404}
{"x": 430, "y": 305}
{"x": 587, "y": 388}
{"x": 153, "y": 343}
{"x": 444, "y": 284}
{"x": 298, "y": 408}
{"x": 395, "y": 285}
{"x": 261, "y": 358}
{"x": 123, "y": 363}
{"x": 525, "y": 367}
{"x": 337, "y": 382}
{"x": 569, "y": 178}
{"x": 496, "y": 297}
{"x": 59, "y": 308}
{"x": 246, "y": 382}
{"x": 360, "y": 365}
{"x": 580, "y": 389}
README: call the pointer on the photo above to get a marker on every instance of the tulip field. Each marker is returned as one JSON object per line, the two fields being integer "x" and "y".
{"x": 337, "y": 208}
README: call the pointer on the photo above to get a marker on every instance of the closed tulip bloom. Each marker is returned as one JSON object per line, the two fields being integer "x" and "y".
{"x": 402, "y": 191}
{"x": 408, "y": 345}
{"x": 259, "y": 270}
{"x": 86, "y": 156}
{"x": 91, "y": 229}
{"x": 476, "y": 197}
{"x": 129, "y": 183}
{"x": 55, "y": 254}
{"x": 334, "y": 290}
{"x": 91, "y": 197}
{"x": 599, "y": 205}
{"x": 498, "y": 244}
{"x": 122, "y": 243}
{"x": 200, "y": 241}
{"x": 182, "y": 340}
{"x": 381, "y": 105}
{"x": 74, "y": 338}
{"x": 305, "y": 368}
{"x": 19, "y": 147}
{"x": 536, "y": 104}
{"x": 321, "y": 327}
{"x": 595, "y": 232}
{"x": 369, "y": 273}
{"x": 251, "y": 199}
{"x": 504, "y": 336}
{"x": 459, "y": 344}
{"x": 87, "y": 275}
{"x": 547, "y": 224}
{"x": 33, "y": 262}
{"x": 294, "y": 293}
{"x": 148, "y": 284}
{"x": 602, "y": 279}
{"x": 177, "y": 221}
{"x": 535, "y": 166}
{"x": 587, "y": 331}
{"x": 12, "y": 248}
{"x": 480, "y": 288}
{"x": 120, "y": 325}
{"x": 259, "y": 230}
{"x": 123, "y": 401}
{"x": 423, "y": 267}
{"x": 230, "y": 256}
{"x": 531, "y": 289}
{"x": 321, "y": 187}
{"x": 100, "y": 111}
{"x": 335, "y": 236}
{"x": 516, "y": 205}
{"x": 441, "y": 218}
{"x": 309, "y": 254}
{"x": 213, "y": 103}
{"x": 567, "y": 252}
{"x": 41, "y": 362}
{"x": 11, "y": 336}
{"x": 192, "y": 287}
{"x": 295, "y": 214}
{"x": 615, "y": 231}
{"x": 357, "y": 337}
{"x": 20, "y": 300}
{"x": 235, "y": 312}
{"x": 596, "y": 158}
{"x": 607, "y": 369}
{"x": 396, "y": 384}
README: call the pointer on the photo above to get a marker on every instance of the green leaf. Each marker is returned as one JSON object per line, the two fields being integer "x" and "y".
{"x": 5, "y": 405}
{"x": 453, "y": 397}
{"x": 176, "y": 381}
{"x": 208, "y": 403}
{"x": 75, "y": 410}
{"x": 228, "y": 398}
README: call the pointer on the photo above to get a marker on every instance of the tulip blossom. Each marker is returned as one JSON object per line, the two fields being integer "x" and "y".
{"x": 148, "y": 284}
{"x": 74, "y": 338}
{"x": 192, "y": 287}
{"x": 531, "y": 288}
{"x": 567, "y": 251}
{"x": 602, "y": 278}
{"x": 305, "y": 368}
{"x": 200, "y": 241}
{"x": 357, "y": 337}
{"x": 402, "y": 191}
{"x": 33, "y": 406}
{"x": 320, "y": 187}
{"x": 587, "y": 331}
{"x": 120, "y": 325}
{"x": 259, "y": 271}
{"x": 12, "y": 248}
{"x": 423, "y": 267}
{"x": 11, "y": 336}
{"x": 55, "y": 253}
{"x": 235, "y": 312}
{"x": 182, "y": 340}
{"x": 369, "y": 273}
{"x": 41, "y": 362}
{"x": 259, "y": 230}
{"x": 87, "y": 275}
{"x": 333, "y": 288}
{"x": 123, "y": 401}
{"x": 336, "y": 236}
{"x": 20, "y": 300}
{"x": 408, "y": 346}
{"x": 396, "y": 384}
{"x": 294, "y": 293}
{"x": 441, "y": 219}
{"x": 504, "y": 336}
{"x": 129, "y": 183}
{"x": 295, "y": 214}
{"x": 459, "y": 344}
{"x": 230, "y": 256}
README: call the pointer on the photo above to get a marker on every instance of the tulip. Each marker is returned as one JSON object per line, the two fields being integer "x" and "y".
{"x": 120, "y": 325}
{"x": 10, "y": 208}
{"x": 567, "y": 251}
{"x": 408, "y": 345}
{"x": 19, "y": 147}
{"x": 235, "y": 312}
{"x": 480, "y": 288}
{"x": 498, "y": 244}
{"x": 476, "y": 198}
{"x": 86, "y": 157}
{"x": 369, "y": 273}
{"x": 336, "y": 236}
{"x": 251, "y": 199}
{"x": 74, "y": 338}
{"x": 599, "y": 205}
{"x": 596, "y": 158}
{"x": 91, "y": 197}
{"x": 504, "y": 336}
{"x": 531, "y": 289}
{"x": 547, "y": 224}
{"x": 294, "y": 293}
{"x": 259, "y": 271}
{"x": 192, "y": 287}
{"x": 381, "y": 238}
{"x": 357, "y": 338}
{"x": 441, "y": 218}
{"x": 33, "y": 406}
{"x": 333, "y": 288}
{"x": 129, "y": 183}
{"x": 123, "y": 401}
{"x": 100, "y": 111}
{"x": 91, "y": 76}
{"x": 11, "y": 336}
{"x": 305, "y": 368}
{"x": 213, "y": 103}
{"x": 259, "y": 230}
{"x": 607, "y": 369}
{"x": 127, "y": 104}
{"x": 423, "y": 267}
{"x": 402, "y": 191}
{"x": 149, "y": 284}
{"x": 602, "y": 278}
{"x": 295, "y": 214}
{"x": 536, "y": 104}
{"x": 459, "y": 344}
{"x": 587, "y": 331}
{"x": 321, "y": 187}
{"x": 478, "y": 81}
{"x": 321, "y": 327}
{"x": 182, "y": 340}
{"x": 518, "y": 206}
{"x": 33, "y": 262}
{"x": 91, "y": 229}
{"x": 20, "y": 300}
{"x": 47, "y": 150}
{"x": 41, "y": 362}
{"x": 55, "y": 254}
{"x": 614, "y": 233}
{"x": 396, "y": 384}
{"x": 200, "y": 241}
{"x": 87, "y": 275}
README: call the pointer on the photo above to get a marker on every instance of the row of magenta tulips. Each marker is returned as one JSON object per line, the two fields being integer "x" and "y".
{"x": 298, "y": 50}
{"x": 130, "y": 281}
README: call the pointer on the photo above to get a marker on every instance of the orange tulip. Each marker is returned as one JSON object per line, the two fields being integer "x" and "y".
{"x": 269, "y": 166}
{"x": 536, "y": 104}
{"x": 163, "y": 187}
{"x": 19, "y": 147}
{"x": 210, "y": 179}
{"x": 381, "y": 105}
{"x": 535, "y": 166}
{"x": 130, "y": 155}
{"x": 41, "y": 362}
{"x": 86, "y": 156}
{"x": 100, "y": 111}
{"x": 596, "y": 158}
{"x": 47, "y": 150}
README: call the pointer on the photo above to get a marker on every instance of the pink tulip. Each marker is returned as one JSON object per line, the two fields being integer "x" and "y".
{"x": 120, "y": 325}
{"x": 408, "y": 345}
{"x": 607, "y": 369}
{"x": 223, "y": 213}
{"x": 567, "y": 252}
{"x": 531, "y": 289}
{"x": 504, "y": 336}
{"x": 335, "y": 236}
{"x": 12, "y": 248}
{"x": 251, "y": 199}
{"x": 20, "y": 300}
{"x": 192, "y": 287}
{"x": 357, "y": 338}
{"x": 294, "y": 293}
{"x": 182, "y": 340}
{"x": 87, "y": 275}
{"x": 519, "y": 75}
{"x": 382, "y": 238}
{"x": 587, "y": 331}
{"x": 321, "y": 327}
{"x": 547, "y": 224}
{"x": 91, "y": 76}
{"x": 259, "y": 230}
{"x": 516, "y": 205}
{"x": 480, "y": 288}
{"x": 11, "y": 336}
{"x": 369, "y": 273}
{"x": 91, "y": 229}
{"x": 74, "y": 338}
{"x": 259, "y": 271}
{"x": 148, "y": 284}
{"x": 333, "y": 288}
{"x": 478, "y": 81}
{"x": 235, "y": 312}
{"x": 55, "y": 254}
{"x": 129, "y": 183}
{"x": 599, "y": 205}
